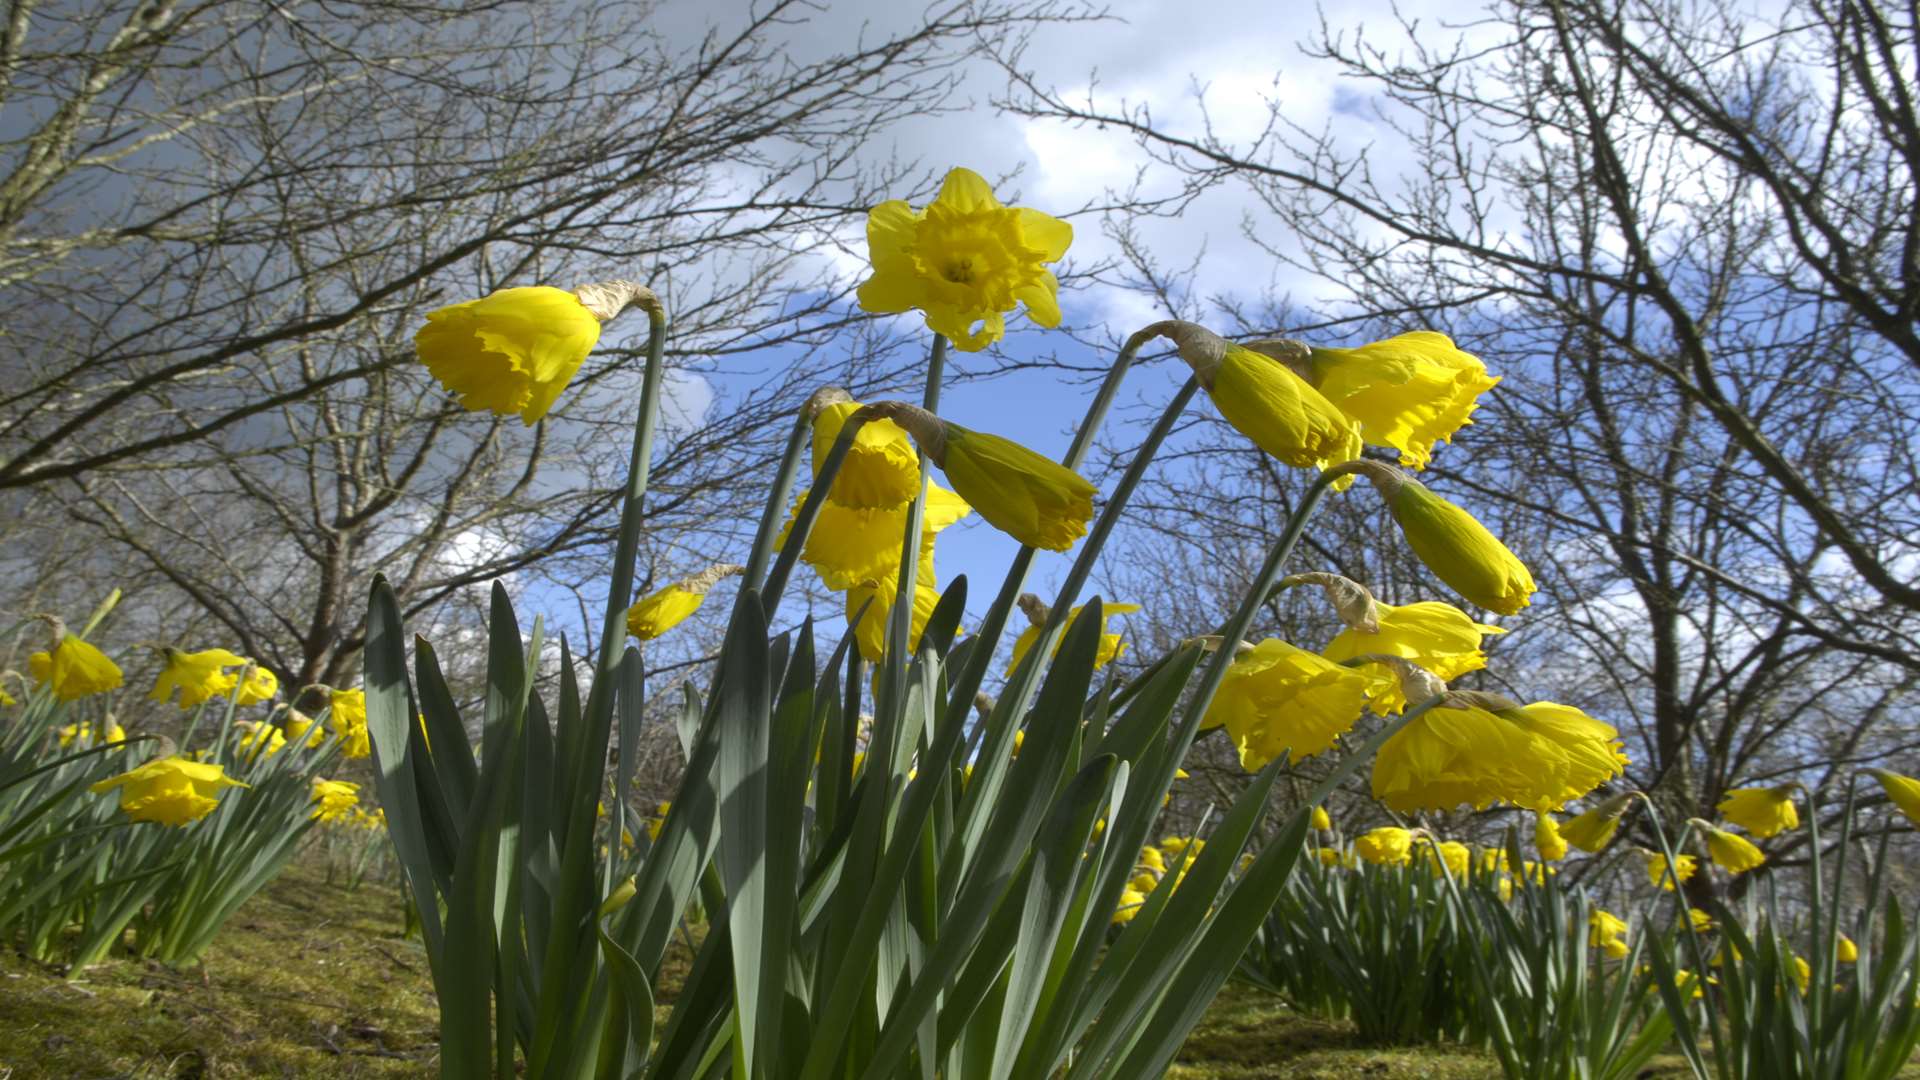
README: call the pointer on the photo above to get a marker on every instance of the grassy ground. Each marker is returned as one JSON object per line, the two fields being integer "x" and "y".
{"x": 310, "y": 980}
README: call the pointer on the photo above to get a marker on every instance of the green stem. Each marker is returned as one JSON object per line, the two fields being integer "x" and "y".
{"x": 627, "y": 546}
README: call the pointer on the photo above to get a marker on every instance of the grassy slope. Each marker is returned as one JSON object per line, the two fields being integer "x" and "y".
{"x": 310, "y": 980}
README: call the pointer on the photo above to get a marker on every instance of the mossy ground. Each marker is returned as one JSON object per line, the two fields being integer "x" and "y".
{"x": 311, "y": 980}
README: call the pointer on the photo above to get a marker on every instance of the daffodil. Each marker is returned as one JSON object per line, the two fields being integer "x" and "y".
{"x": 1547, "y": 839}
{"x": 1110, "y": 644}
{"x": 333, "y": 800}
{"x": 881, "y": 469}
{"x": 1264, "y": 398}
{"x": 1435, "y": 636}
{"x": 1320, "y": 819}
{"x": 1447, "y": 757}
{"x": 1028, "y": 496}
{"x": 171, "y": 790}
{"x": 515, "y": 350}
{"x": 258, "y": 685}
{"x": 1592, "y": 830}
{"x": 74, "y": 669}
{"x": 1277, "y": 698}
{"x": 1591, "y": 750}
{"x": 299, "y": 723}
{"x": 83, "y": 733}
{"x": 1131, "y": 901}
{"x": 1730, "y": 851}
{"x": 1387, "y": 845}
{"x": 1699, "y": 921}
{"x": 667, "y": 608}
{"x": 1845, "y": 951}
{"x": 1661, "y": 876}
{"x": 1802, "y": 972}
{"x": 1763, "y": 812}
{"x": 1902, "y": 791}
{"x": 876, "y": 596}
{"x": 1451, "y": 542}
{"x": 257, "y": 738}
{"x": 1604, "y": 927}
{"x": 965, "y": 261}
{"x": 1175, "y": 846}
{"x": 1151, "y": 858}
{"x": 1408, "y": 392}
{"x": 848, "y": 548}
{"x": 347, "y": 719}
{"x": 1456, "y": 858}
{"x": 198, "y": 676}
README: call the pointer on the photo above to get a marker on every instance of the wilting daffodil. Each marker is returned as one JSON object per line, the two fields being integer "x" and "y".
{"x": 1763, "y": 812}
{"x": 965, "y": 261}
{"x": 1110, "y": 644}
{"x": 170, "y": 790}
{"x": 73, "y": 668}
{"x": 515, "y": 350}
{"x": 1277, "y": 698}
{"x": 667, "y": 608}
{"x": 1408, "y": 392}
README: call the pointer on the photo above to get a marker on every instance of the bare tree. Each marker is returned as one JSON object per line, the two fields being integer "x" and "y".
{"x": 221, "y": 223}
{"x": 1687, "y": 236}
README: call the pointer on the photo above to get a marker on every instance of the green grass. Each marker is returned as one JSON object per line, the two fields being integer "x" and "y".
{"x": 310, "y": 980}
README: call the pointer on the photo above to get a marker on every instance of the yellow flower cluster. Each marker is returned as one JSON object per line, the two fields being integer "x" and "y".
{"x": 82, "y": 732}
{"x": 1150, "y": 872}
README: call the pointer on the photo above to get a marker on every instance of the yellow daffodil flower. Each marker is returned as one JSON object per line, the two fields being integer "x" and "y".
{"x": 1478, "y": 749}
{"x": 1845, "y": 951}
{"x": 83, "y": 733}
{"x": 1592, "y": 750}
{"x": 1387, "y": 845}
{"x": 74, "y": 669}
{"x": 1408, "y": 392}
{"x": 1110, "y": 644}
{"x": 1592, "y": 830}
{"x": 1432, "y": 635}
{"x": 299, "y": 723}
{"x": 257, "y": 738}
{"x": 512, "y": 351}
{"x": 171, "y": 790}
{"x": 1603, "y": 927}
{"x": 1699, "y": 921}
{"x": 965, "y": 261}
{"x": 1028, "y": 496}
{"x": 1903, "y": 791}
{"x": 876, "y": 595}
{"x": 849, "y": 547}
{"x": 1763, "y": 812}
{"x": 667, "y": 608}
{"x": 1131, "y": 900}
{"x": 1264, "y": 397}
{"x": 1547, "y": 839}
{"x": 1661, "y": 877}
{"x": 334, "y": 800}
{"x": 1278, "y": 699}
{"x": 1730, "y": 851}
{"x": 1455, "y": 857}
{"x": 881, "y": 469}
{"x": 1802, "y": 972}
{"x": 1151, "y": 858}
{"x": 347, "y": 719}
{"x": 198, "y": 676}
{"x": 259, "y": 685}
{"x": 1320, "y": 819}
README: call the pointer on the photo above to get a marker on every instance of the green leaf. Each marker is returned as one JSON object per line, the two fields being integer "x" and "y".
{"x": 741, "y": 719}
